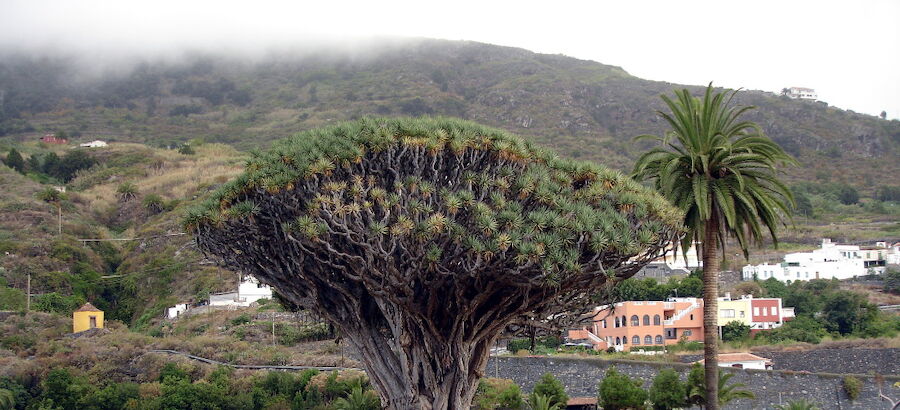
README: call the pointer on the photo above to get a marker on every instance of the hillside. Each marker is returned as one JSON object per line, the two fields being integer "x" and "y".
{"x": 582, "y": 109}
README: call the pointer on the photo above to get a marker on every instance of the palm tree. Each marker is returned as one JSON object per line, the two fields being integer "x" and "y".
{"x": 723, "y": 173}
{"x": 729, "y": 392}
{"x": 358, "y": 399}
{"x": 541, "y": 402}
{"x": 51, "y": 195}
{"x": 697, "y": 392}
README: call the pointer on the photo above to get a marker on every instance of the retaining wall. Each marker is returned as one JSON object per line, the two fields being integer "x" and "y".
{"x": 581, "y": 376}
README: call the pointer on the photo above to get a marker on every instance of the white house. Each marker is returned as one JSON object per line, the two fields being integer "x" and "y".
{"x": 743, "y": 361}
{"x": 249, "y": 290}
{"x": 831, "y": 261}
{"x": 175, "y": 311}
{"x": 94, "y": 144}
{"x": 802, "y": 93}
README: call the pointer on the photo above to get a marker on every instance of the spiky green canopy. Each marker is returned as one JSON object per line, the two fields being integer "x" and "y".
{"x": 424, "y": 179}
{"x": 422, "y": 239}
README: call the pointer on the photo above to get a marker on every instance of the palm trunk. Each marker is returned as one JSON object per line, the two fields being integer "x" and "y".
{"x": 710, "y": 310}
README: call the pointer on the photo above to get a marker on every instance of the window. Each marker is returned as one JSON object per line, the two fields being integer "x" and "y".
{"x": 765, "y": 311}
{"x": 686, "y": 332}
{"x": 742, "y": 313}
{"x": 774, "y": 310}
{"x": 624, "y": 340}
{"x": 618, "y": 341}
{"x": 692, "y": 316}
{"x": 648, "y": 340}
{"x": 635, "y": 340}
{"x": 617, "y": 321}
{"x": 656, "y": 320}
{"x": 624, "y": 322}
{"x": 646, "y": 320}
{"x": 659, "y": 339}
{"x": 635, "y": 320}
{"x": 728, "y": 313}
{"x": 756, "y": 311}
{"x": 603, "y": 323}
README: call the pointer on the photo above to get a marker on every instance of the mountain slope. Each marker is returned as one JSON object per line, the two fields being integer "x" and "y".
{"x": 580, "y": 108}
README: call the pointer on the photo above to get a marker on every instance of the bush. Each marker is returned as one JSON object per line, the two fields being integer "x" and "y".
{"x": 240, "y": 320}
{"x": 618, "y": 391}
{"x": 668, "y": 391}
{"x": 186, "y": 149}
{"x": 497, "y": 393}
{"x": 892, "y": 281}
{"x": 548, "y": 386}
{"x": 153, "y": 203}
{"x": 735, "y": 331}
{"x": 852, "y": 386}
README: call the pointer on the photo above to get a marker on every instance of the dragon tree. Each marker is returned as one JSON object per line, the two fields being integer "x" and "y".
{"x": 422, "y": 239}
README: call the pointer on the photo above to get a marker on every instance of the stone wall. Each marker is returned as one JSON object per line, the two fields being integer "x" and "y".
{"x": 582, "y": 375}
{"x": 863, "y": 361}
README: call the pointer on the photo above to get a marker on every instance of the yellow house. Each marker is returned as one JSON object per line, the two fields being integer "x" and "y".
{"x": 87, "y": 317}
{"x": 734, "y": 311}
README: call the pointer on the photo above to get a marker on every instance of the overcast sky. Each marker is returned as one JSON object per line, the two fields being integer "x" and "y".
{"x": 848, "y": 51}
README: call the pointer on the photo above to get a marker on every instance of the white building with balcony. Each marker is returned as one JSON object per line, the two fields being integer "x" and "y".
{"x": 249, "y": 290}
{"x": 831, "y": 261}
{"x": 801, "y": 93}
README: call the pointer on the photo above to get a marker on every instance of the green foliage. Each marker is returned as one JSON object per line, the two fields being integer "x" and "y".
{"x": 56, "y": 303}
{"x": 848, "y": 195}
{"x": 618, "y": 391}
{"x": 65, "y": 167}
{"x": 713, "y": 163}
{"x": 358, "y": 400}
{"x": 650, "y": 289}
{"x": 696, "y": 387}
{"x": 668, "y": 391}
{"x": 7, "y": 400}
{"x": 112, "y": 397}
{"x": 186, "y": 149}
{"x": 801, "y": 404}
{"x": 240, "y": 320}
{"x": 852, "y": 386}
{"x": 551, "y": 388}
{"x": 735, "y": 331}
{"x": 575, "y": 198}
{"x": 803, "y": 328}
{"x": 888, "y": 193}
{"x": 172, "y": 373}
{"x": 126, "y": 191}
{"x": 845, "y": 311}
{"x": 15, "y": 161}
{"x": 892, "y": 281}
{"x": 540, "y": 402}
{"x": 11, "y": 298}
{"x": 497, "y": 393}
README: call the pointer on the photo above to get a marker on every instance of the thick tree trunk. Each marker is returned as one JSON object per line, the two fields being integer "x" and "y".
{"x": 429, "y": 374}
{"x": 710, "y": 310}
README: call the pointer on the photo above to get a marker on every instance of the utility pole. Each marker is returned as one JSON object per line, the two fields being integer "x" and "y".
{"x": 273, "y": 328}
{"x": 28, "y": 299}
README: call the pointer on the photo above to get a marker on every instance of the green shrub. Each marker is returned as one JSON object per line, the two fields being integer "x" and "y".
{"x": 735, "y": 331}
{"x": 618, "y": 391}
{"x": 539, "y": 402}
{"x": 801, "y": 404}
{"x": 240, "y": 320}
{"x": 358, "y": 399}
{"x": 497, "y": 393}
{"x": 548, "y": 386}
{"x": 171, "y": 373}
{"x": 852, "y": 386}
{"x": 668, "y": 391}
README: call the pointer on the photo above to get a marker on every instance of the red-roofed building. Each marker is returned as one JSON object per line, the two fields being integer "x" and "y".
{"x": 52, "y": 139}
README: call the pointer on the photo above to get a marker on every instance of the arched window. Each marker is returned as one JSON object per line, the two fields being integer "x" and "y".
{"x": 618, "y": 341}
{"x": 648, "y": 340}
{"x": 624, "y": 340}
{"x": 617, "y": 321}
{"x": 656, "y": 320}
{"x": 646, "y": 320}
{"x": 635, "y": 320}
{"x": 659, "y": 339}
{"x": 603, "y": 323}
{"x": 635, "y": 340}
{"x": 624, "y": 321}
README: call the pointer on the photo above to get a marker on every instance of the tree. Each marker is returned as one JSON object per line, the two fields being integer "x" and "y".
{"x": 540, "y": 402}
{"x": 618, "y": 391}
{"x": 785, "y": 92}
{"x": 15, "y": 161}
{"x": 734, "y": 331}
{"x": 126, "y": 191}
{"x": 153, "y": 203}
{"x": 748, "y": 288}
{"x": 7, "y": 400}
{"x": 51, "y": 195}
{"x": 668, "y": 391}
{"x": 358, "y": 400}
{"x": 844, "y": 311}
{"x": 422, "y": 239}
{"x": 883, "y": 115}
{"x": 549, "y": 387}
{"x": 848, "y": 195}
{"x": 892, "y": 281}
{"x": 722, "y": 172}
